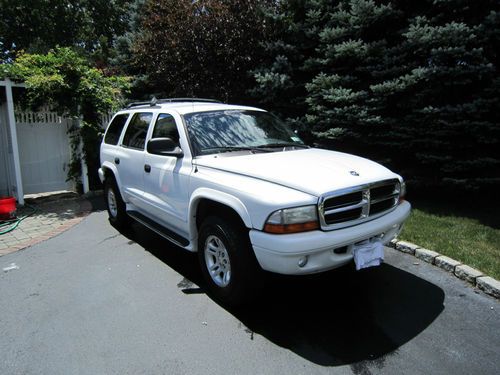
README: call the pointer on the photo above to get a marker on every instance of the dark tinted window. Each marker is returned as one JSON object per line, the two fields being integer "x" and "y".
{"x": 115, "y": 129}
{"x": 165, "y": 127}
{"x": 135, "y": 136}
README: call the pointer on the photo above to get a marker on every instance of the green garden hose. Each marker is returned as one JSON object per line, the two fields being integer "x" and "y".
{"x": 14, "y": 223}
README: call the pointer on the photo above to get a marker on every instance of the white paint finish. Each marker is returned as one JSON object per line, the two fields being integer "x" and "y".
{"x": 44, "y": 152}
{"x": 131, "y": 169}
{"x": 258, "y": 198}
{"x": 166, "y": 186}
{"x": 13, "y": 134}
{"x": 218, "y": 196}
{"x": 166, "y": 190}
{"x": 313, "y": 171}
{"x": 129, "y": 163}
{"x": 85, "y": 172}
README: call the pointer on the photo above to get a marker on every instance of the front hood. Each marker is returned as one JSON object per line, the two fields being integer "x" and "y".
{"x": 313, "y": 171}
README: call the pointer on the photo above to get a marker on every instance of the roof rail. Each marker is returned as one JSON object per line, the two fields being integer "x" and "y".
{"x": 153, "y": 102}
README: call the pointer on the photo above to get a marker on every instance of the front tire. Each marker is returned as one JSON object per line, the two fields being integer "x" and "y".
{"x": 115, "y": 205}
{"x": 227, "y": 261}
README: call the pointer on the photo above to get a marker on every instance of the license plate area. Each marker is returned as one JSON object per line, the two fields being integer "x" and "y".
{"x": 368, "y": 253}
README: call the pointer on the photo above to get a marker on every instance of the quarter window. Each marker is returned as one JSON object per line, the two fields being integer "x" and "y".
{"x": 135, "y": 136}
{"x": 115, "y": 129}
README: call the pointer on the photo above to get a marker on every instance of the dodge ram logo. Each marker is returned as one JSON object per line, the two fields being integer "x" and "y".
{"x": 354, "y": 173}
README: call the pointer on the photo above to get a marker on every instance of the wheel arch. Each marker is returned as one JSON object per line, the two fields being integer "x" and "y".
{"x": 109, "y": 171}
{"x": 207, "y": 202}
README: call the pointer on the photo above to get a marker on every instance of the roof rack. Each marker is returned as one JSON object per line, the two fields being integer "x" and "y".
{"x": 153, "y": 102}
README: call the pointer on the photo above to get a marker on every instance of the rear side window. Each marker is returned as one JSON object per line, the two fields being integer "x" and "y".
{"x": 115, "y": 129}
{"x": 135, "y": 136}
{"x": 165, "y": 127}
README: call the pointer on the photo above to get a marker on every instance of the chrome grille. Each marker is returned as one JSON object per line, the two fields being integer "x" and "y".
{"x": 356, "y": 205}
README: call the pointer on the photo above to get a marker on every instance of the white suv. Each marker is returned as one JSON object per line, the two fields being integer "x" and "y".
{"x": 236, "y": 185}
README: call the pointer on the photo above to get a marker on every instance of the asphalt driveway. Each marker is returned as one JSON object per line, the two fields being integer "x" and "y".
{"x": 96, "y": 301}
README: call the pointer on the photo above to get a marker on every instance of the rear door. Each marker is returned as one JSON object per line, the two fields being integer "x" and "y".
{"x": 130, "y": 163}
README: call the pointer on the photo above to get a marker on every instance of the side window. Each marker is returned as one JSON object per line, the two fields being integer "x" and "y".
{"x": 135, "y": 136}
{"x": 115, "y": 129}
{"x": 165, "y": 127}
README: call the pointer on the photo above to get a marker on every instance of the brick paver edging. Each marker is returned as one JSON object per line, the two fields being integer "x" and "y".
{"x": 487, "y": 284}
{"x": 85, "y": 210}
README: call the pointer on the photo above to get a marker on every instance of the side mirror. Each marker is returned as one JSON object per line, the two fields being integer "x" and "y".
{"x": 165, "y": 147}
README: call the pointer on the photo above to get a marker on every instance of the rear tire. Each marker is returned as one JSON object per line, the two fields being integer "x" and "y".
{"x": 115, "y": 205}
{"x": 227, "y": 261}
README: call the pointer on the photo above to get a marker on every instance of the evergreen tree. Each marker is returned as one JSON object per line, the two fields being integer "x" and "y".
{"x": 414, "y": 85}
{"x": 452, "y": 115}
{"x": 280, "y": 80}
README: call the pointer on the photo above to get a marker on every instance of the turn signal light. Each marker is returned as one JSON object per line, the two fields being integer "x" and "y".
{"x": 291, "y": 228}
{"x": 402, "y": 193}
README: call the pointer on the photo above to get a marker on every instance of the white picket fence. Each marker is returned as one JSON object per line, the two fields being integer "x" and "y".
{"x": 44, "y": 149}
{"x": 45, "y": 116}
{"x": 41, "y": 117}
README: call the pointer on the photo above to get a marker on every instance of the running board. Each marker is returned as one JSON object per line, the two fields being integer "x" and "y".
{"x": 159, "y": 229}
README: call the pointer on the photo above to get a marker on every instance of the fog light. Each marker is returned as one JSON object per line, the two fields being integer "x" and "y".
{"x": 303, "y": 261}
{"x": 340, "y": 250}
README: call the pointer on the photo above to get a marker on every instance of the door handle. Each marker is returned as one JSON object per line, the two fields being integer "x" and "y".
{"x": 147, "y": 168}
{"x": 117, "y": 161}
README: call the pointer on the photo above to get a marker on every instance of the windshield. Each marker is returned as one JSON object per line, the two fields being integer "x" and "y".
{"x": 236, "y": 130}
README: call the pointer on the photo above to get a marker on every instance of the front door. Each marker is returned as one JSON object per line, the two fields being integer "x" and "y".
{"x": 166, "y": 183}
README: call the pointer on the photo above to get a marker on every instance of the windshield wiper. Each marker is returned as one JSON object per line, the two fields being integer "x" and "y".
{"x": 233, "y": 148}
{"x": 282, "y": 144}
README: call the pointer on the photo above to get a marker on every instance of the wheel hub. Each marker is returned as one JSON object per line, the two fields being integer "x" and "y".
{"x": 217, "y": 261}
{"x": 112, "y": 205}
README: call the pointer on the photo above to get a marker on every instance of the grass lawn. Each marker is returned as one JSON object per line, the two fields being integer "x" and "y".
{"x": 464, "y": 239}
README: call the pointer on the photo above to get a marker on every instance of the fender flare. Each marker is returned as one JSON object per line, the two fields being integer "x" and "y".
{"x": 112, "y": 168}
{"x": 219, "y": 197}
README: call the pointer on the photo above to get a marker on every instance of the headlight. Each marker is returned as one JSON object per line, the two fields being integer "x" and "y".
{"x": 293, "y": 220}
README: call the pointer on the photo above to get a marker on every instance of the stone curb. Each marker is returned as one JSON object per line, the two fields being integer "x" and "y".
{"x": 426, "y": 255}
{"x": 85, "y": 210}
{"x": 487, "y": 284}
{"x": 446, "y": 263}
{"x": 467, "y": 273}
{"x": 406, "y": 247}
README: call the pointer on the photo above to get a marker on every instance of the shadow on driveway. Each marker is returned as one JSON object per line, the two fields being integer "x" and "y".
{"x": 335, "y": 318}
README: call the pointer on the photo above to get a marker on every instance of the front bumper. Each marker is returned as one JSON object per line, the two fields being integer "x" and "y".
{"x": 282, "y": 253}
